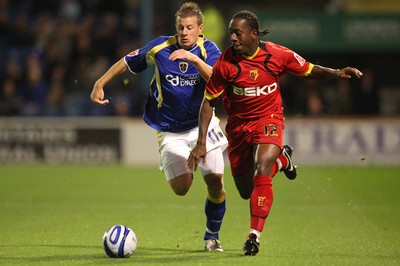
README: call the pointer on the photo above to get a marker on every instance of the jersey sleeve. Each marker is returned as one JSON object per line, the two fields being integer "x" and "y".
{"x": 296, "y": 64}
{"x": 218, "y": 80}
{"x": 138, "y": 60}
{"x": 213, "y": 53}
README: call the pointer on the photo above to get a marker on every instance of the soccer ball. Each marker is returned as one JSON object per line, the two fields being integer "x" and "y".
{"x": 119, "y": 241}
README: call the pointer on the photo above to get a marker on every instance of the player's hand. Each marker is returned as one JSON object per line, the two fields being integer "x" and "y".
{"x": 348, "y": 72}
{"x": 198, "y": 153}
{"x": 97, "y": 95}
{"x": 182, "y": 54}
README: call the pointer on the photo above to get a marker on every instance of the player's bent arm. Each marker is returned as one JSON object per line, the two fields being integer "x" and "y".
{"x": 97, "y": 94}
{"x": 204, "y": 69}
{"x": 325, "y": 73}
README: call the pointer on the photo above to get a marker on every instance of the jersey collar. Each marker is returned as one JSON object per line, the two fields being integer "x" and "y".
{"x": 254, "y": 54}
{"x": 200, "y": 40}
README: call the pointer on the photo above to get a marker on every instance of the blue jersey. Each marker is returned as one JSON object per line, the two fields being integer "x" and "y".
{"x": 177, "y": 88}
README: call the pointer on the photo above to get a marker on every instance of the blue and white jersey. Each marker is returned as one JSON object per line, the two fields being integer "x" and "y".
{"x": 177, "y": 88}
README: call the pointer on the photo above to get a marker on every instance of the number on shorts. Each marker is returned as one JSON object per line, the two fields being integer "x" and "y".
{"x": 215, "y": 136}
{"x": 271, "y": 130}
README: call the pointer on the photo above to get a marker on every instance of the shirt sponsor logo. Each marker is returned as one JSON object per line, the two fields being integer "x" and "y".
{"x": 255, "y": 91}
{"x": 183, "y": 80}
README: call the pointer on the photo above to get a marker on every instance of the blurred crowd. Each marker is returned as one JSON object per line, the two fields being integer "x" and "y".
{"x": 52, "y": 52}
{"x": 335, "y": 97}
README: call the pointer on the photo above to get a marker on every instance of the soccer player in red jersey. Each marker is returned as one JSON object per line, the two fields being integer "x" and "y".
{"x": 246, "y": 77}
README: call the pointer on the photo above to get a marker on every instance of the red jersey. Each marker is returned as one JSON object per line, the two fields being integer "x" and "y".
{"x": 249, "y": 86}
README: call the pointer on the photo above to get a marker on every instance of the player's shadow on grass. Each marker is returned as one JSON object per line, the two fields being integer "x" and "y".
{"x": 96, "y": 255}
{"x": 180, "y": 255}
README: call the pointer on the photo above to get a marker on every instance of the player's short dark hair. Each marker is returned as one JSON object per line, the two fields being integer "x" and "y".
{"x": 190, "y": 9}
{"x": 252, "y": 20}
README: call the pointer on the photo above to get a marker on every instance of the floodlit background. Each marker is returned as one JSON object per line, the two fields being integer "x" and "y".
{"x": 70, "y": 169}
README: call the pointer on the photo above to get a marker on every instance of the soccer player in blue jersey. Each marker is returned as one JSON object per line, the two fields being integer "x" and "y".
{"x": 182, "y": 65}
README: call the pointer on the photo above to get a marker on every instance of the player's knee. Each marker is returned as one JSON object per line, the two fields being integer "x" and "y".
{"x": 214, "y": 181}
{"x": 180, "y": 191}
{"x": 265, "y": 167}
{"x": 244, "y": 184}
{"x": 244, "y": 194}
{"x": 181, "y": 184}
{"x": 245, "y": 191}
{"x": 216, "y": 193}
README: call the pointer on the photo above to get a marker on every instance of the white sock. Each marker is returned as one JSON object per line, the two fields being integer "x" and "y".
{"x": 257, "y": 233}
{"x": 279, "y": 164}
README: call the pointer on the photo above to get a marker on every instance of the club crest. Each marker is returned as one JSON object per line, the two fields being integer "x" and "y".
{"x": 183, "y": 66}
{"x": 254, "y": 74}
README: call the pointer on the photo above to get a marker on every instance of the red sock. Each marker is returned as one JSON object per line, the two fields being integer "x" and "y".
{"x": 260, "y": 201}
{"x": 283, "y": 160}
{"x": 275, "y": 169}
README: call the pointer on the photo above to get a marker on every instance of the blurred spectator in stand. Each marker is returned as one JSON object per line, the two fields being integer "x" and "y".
{"x": 106, "y": 34}
{"x": 55, "y": 97}
{"x": 33, "y": 88}
{"x": 54, "y": 100}
{"x": 337, "y": 95}
{"x": 75, "y": 102}
{"x": 342, "y": 104}
{"x": 70, "y": 9}
{"x": 315, "y": 104}
{"x": 4, "y": 16}
{"x": 19, "y": 30}
{"x": 83, "y": 44}
{"x": 43, "y": 29}
{"x": 12, "y": 70}
{"x": 82, "y": 52}
{"x": 366, "y": 95}
{"x": 10, "y": 79}
{"x": 10, "y": 102}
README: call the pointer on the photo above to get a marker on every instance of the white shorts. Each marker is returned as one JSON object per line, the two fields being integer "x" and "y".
{"x": 175, "y": 149}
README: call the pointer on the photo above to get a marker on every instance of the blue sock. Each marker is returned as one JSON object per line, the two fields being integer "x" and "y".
{"x": 215, "y": 214}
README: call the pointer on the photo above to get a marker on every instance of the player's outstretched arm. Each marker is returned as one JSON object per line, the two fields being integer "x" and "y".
{"x": 97, "y": 94}
{"x": 324, "y": 73}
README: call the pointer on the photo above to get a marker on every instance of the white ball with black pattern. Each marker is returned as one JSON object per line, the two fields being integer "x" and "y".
{"x": 119, "y": 241}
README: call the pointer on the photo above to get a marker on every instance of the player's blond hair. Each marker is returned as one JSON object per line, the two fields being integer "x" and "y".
{"x": 190, "y": 9}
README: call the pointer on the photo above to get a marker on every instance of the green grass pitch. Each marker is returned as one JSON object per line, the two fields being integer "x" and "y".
{"x": 53, "y": 215}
